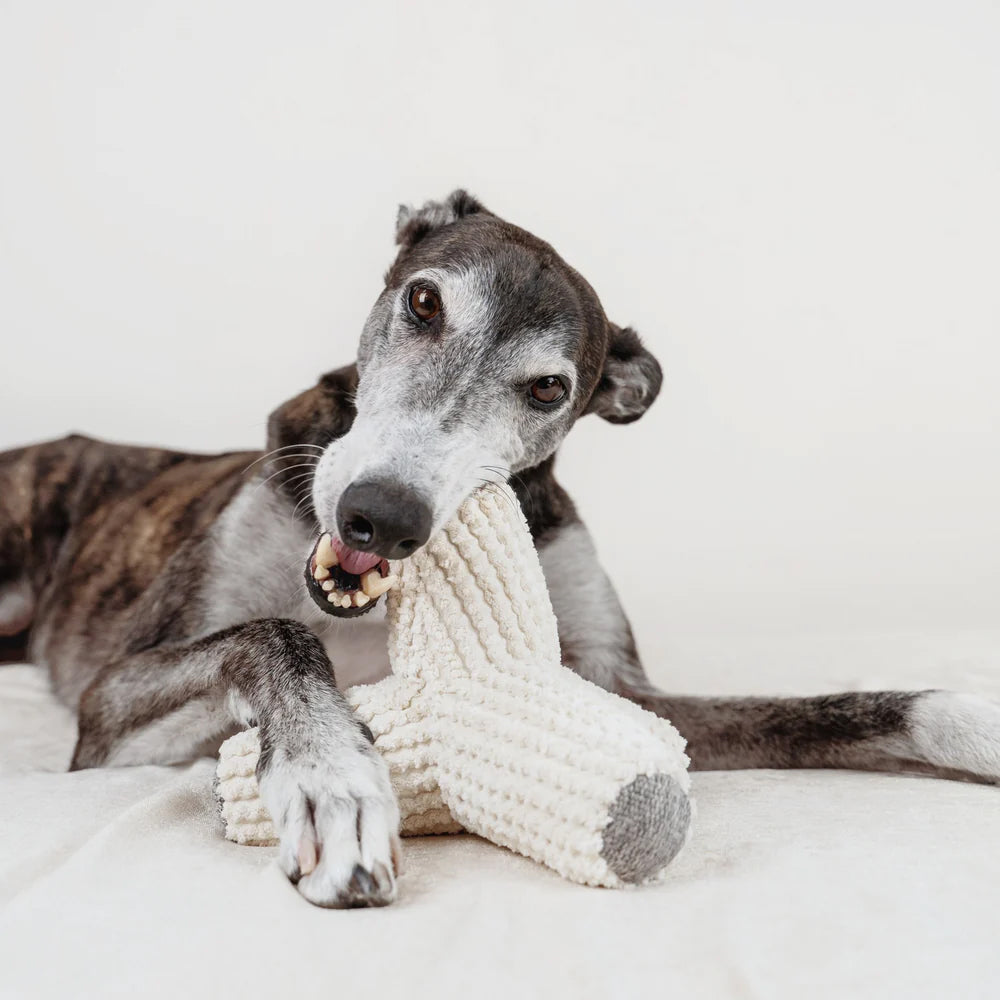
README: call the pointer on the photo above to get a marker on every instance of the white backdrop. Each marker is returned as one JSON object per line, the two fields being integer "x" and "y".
{"x": 797, "y": 204}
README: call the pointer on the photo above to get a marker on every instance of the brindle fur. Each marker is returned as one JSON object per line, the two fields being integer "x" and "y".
{"x": 105, "y": 559}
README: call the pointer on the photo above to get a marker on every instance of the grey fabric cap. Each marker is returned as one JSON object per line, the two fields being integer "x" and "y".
{"x": 647, "y": 826}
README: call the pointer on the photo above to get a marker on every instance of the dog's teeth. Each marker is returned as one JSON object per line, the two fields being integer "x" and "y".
{"x": 375, "y": 585}
{"x": 321, "y": 573}
{"x": 328, "y": 585}
{"x": 387, "y": 583}
{"x": 334, "y": 597}
{"x": 325, "y": 555}
{"x": 345, "y": 601}
{"x": 361, "y": 599}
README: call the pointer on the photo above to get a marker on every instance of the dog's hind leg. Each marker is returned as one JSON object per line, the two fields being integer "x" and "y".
{"x": 325, "y": 786}
{"x": 940, "y": 733}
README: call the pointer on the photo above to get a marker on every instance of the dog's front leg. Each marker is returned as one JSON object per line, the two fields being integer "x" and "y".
{"x": 594, "y": 633}
{"x": 325, "y": 785}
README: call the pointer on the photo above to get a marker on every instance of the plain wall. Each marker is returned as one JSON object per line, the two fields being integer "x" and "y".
{"x": 798, "y": 206}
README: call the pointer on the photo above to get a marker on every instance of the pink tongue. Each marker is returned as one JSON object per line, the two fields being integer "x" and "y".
{"x": 353, "y": 561}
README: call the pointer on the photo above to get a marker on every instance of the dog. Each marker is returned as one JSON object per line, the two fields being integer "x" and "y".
{"x": 164, "y": 591}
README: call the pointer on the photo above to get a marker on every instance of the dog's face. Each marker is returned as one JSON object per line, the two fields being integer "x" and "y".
{"x": 476, "y": 360}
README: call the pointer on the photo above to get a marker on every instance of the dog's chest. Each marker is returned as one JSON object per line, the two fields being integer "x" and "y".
{"x": 358, "y": 647}
{"x": 255, "y": 570}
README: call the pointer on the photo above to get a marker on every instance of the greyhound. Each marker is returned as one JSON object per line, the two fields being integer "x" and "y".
{"x": 164, "y": 591}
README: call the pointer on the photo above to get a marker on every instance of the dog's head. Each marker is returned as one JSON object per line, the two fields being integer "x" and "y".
{"x": 480, "y": 354}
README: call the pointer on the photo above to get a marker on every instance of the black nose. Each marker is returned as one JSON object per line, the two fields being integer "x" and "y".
{"x": 383, "y": 517}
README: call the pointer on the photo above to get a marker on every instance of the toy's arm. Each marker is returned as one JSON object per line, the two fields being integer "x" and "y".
{"x": 563, "y": 772}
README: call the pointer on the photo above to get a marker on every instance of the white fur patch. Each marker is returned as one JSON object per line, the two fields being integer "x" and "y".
{"x": 466, "y": 296}
{"x": 176, "y": 737}
{"x": 960, "y": 731}
{"x": 258, "y": 557}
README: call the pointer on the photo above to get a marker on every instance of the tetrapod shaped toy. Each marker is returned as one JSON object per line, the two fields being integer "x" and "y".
{"x": 485, "y": 730}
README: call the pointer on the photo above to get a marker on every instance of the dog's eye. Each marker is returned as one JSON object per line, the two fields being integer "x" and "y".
{"x": 425, "y": 303}
{"x": 547, "y": 390}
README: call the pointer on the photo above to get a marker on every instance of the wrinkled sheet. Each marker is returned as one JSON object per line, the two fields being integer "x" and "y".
{"x": 796, "y": 884}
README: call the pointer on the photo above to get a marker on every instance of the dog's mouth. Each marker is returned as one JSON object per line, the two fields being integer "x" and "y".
{"x": 344, "y": 582}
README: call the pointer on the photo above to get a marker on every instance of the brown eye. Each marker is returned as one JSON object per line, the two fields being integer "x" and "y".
{"x": 424, "y": 302}
{"x": 548, "y": 390}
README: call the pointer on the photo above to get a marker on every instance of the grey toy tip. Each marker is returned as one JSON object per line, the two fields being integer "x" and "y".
{"x": 647, "y": 826}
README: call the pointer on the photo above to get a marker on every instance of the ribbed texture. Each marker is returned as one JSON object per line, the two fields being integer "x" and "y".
{"x": 481, "y": 725}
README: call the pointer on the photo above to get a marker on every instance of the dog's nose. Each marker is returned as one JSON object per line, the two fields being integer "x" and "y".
{"x": 383, "y": 517}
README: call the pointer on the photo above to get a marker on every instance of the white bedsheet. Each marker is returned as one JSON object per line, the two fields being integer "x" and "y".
{"x": 809, "y": 884}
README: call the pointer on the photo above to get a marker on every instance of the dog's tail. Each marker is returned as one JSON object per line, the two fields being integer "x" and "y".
{"x": 940, "y": 733}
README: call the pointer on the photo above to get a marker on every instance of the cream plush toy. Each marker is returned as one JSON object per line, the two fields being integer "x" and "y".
{"x": 484, "y": 730}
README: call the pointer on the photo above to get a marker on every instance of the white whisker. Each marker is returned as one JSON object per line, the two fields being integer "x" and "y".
{"x": 277, "y": 451}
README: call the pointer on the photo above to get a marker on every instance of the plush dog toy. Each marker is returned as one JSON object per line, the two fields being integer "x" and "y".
{"x": 484, "y": 730}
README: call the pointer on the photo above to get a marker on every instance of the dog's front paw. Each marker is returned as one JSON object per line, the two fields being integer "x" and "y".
{"x": 338, "y": 824}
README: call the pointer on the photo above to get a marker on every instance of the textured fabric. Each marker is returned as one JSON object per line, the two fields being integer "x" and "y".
{"x": 483, "y": 729}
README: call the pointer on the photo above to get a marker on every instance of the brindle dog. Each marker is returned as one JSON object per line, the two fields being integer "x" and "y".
{"x": 165, "y": 593}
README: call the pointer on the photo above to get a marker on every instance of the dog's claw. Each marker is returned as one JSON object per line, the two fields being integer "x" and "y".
{"x": 307, "y": 856}
{"x": 383, "y": 879}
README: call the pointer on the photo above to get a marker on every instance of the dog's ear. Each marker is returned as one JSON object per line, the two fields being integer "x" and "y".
{"x": 413, "y": 224}
{"x": 318, "y": 415}
{"x": 630, "y": 381}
